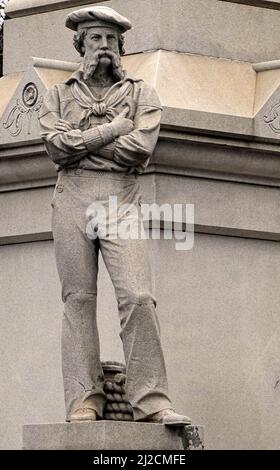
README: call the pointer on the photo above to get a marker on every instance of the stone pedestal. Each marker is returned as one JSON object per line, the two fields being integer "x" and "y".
{"x": 111, "y": 435}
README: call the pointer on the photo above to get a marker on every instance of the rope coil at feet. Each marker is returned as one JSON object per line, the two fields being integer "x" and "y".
{"x": 117, "y": 406}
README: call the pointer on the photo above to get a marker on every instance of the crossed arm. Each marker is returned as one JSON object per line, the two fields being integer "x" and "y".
{"x": 123, "y": 141}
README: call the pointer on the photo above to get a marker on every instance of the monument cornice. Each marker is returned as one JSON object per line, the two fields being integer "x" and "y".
{"x": 17, "y": 8}
{"x": 246, "y": 107}
{"x": 201, "y": 169}
{"x": 272, "y": 4}
{"x": 178, "y": 152}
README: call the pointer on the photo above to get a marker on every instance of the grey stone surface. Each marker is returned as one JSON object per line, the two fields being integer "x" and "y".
{"x": 193, "y": 120}
{"x": 111, "y": 435}
{"x": 195, "y": 27}
{"x": 236, "y": 209}
{"x": 217, "y": 159}
{"x": 227, "y": 296}
{"x": 17, "y": 8}
{"x": 21, "y": 169}
{"x": 144, "y": 16}
{"x": 223, "y": 204}
{"x": 30, "y": 376}
{"x": 30, "y": 210}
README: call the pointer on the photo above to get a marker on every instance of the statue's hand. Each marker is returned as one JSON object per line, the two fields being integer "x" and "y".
{"x": 121, "y": 125}
{"x": 64, "y": 126}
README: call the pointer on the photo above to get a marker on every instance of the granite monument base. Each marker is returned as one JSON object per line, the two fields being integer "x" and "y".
{"x": 111, "y": 435}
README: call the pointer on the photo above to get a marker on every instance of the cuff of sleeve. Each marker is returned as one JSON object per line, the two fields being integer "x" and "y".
{"x": 92, "y": 139}
{"x": 98, "y": 136}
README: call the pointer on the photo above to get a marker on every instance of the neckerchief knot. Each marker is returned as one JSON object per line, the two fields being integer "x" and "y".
{"x": 99, "y": 108}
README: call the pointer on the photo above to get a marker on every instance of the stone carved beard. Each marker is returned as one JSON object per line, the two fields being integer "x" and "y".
{"x": 91, "y": 62}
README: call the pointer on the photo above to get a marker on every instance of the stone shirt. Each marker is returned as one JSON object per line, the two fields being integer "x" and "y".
{"x": 90, "y": 143}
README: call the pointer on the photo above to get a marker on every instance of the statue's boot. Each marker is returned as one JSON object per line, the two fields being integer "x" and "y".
{"x": 84, "y": 413}
{"x": 170, "y": 418}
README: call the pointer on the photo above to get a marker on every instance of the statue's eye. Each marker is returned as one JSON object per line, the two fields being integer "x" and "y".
{"x": 95, "y": 38}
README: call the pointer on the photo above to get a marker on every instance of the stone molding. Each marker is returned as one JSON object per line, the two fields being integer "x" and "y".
{"x": 17, "y": 8}
{"x": 177, "y": 153}
{"x": 246, "y": 106}
{"x": 273, "y": 4}
{"x": 242, "y": 187}
{"x": 266, "y": 66}
{"x": 201, "y": 147}
{"x": 54, "y": 64}
{"x": 247, "y": 147}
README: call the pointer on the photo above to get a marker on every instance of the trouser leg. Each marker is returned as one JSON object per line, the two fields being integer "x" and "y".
{"x": 146, "y": 388}
{"x": 82, "y": 372}
{"x": 77, "y": 263}
{"x": 129, "y": 268}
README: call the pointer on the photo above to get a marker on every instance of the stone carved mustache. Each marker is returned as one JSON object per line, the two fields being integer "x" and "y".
{"x": 91, "y": 62}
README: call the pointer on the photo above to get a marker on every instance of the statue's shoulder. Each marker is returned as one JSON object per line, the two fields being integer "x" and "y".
{"x": 58, "y": 91}
{"x": 144, "y": 93}
{"x": 147, "y": 95}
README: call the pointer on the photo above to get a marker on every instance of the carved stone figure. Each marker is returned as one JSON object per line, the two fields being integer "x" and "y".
{"x": 100, "y": 128}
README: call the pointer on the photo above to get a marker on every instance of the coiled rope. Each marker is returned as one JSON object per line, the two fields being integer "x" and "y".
{"x": 117, "y": 407}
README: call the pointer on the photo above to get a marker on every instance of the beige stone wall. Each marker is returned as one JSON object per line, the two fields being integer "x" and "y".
{"x": 207, "y": 27}
{"x": 220, "y": 334}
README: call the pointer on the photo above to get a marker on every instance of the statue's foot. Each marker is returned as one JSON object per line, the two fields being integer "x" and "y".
{"x": 170, "y": 418}
{"x": 83, "y": 414}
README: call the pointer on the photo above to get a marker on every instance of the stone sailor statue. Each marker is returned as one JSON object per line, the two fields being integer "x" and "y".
{"x": 100, "y": 128}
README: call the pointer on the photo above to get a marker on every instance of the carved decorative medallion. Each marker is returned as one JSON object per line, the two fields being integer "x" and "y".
{"x": 30, "y": 94}
{"x": 273, "y": 118}
{"x": 25, "y": 107}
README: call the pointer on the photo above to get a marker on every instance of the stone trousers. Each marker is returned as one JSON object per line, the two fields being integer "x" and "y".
{"x": 76, "y": 194}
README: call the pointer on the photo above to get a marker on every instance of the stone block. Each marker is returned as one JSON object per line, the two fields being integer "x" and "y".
{"x": 175, "y": 25}
{"x": 111, "y": 435}
{"x": 56, "y": 41}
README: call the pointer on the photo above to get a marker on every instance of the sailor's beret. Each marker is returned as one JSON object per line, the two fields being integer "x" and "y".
{"x": 96, "y": 16}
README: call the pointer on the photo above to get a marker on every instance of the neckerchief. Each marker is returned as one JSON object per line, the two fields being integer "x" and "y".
{"x": 98, "y": 107}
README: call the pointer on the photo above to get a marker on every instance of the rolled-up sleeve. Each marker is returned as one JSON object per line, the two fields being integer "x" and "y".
{"x": 136, "y": 148}
{"x": 66, "y": 148}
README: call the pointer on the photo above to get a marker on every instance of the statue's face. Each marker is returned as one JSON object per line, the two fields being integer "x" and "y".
{"x": 98, "y": 40}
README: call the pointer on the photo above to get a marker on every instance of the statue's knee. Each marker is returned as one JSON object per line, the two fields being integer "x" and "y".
{"x": 144, "y": 299}
{"x": 79, "y": 297}
{"x": 137, "y": 299}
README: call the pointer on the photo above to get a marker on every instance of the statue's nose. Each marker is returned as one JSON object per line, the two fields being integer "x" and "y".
{"x": 104, "y": 43}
